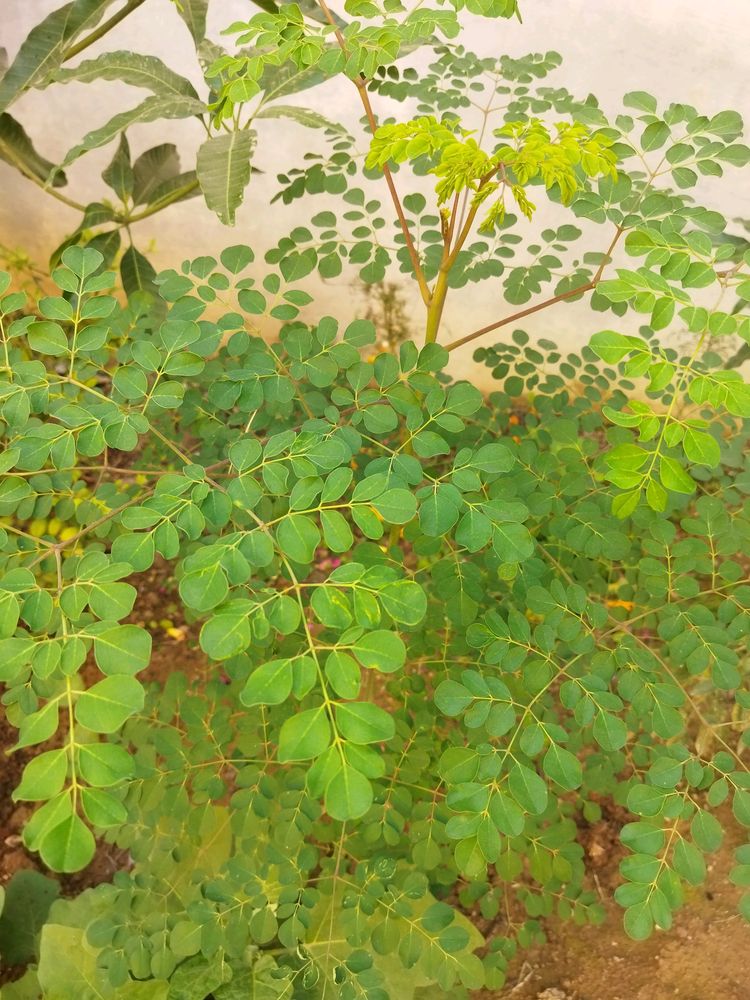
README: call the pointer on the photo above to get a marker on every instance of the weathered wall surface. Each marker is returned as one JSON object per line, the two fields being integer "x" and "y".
{"x": 684, "y": 50}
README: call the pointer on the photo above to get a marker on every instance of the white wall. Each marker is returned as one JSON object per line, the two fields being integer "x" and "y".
{"x": 684, "y": 50}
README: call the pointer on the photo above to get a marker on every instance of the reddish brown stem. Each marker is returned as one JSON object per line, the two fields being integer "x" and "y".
{"x": 361, "y": 85}
{"x": 570, "y": 294}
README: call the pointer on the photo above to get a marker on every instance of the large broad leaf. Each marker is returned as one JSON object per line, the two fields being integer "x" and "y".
{"x": 158, "y": 164}
{"x": 327, "y": 930}
{"x": 193, "y": 13}
{"x": 131, "y": 68}
{"x": 118, "y": 174}
{"x": 224, "y": 170}
{"x": 175, "y": 189}
{"x": 16, "y": 148}
{"x": 68, "y": 968}
{"x": 302, "y": 116}
{"x": 46, "y": 44}
{"x": 150, "y": 110}
{"x": 198, "y": 977}
{"x": 280, "y": 81}
{"x": 27, "y": 902}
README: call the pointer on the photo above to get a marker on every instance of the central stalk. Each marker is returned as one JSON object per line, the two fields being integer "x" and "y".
{"x": 435, "y": 307}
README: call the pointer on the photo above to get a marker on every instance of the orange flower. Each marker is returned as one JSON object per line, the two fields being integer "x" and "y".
{"x": 628, "y": 605}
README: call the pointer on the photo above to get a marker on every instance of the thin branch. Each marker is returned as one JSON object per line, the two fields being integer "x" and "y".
{"x": 102, "y": 30}
{"x": 361, "y": 85}
{"x": 570, "y": 294}
{"x": 31, "y": 176}
{"x": 453, "y": 221}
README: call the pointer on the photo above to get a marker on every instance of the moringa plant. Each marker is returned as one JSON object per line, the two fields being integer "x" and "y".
{"x": 449, "y": 630}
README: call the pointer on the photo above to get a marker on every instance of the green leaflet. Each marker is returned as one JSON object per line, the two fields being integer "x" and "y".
{"x": 122, "y": 649}
{"x": 362, "y": 722}
{"x": 225, "y": 635}
{"x": 104, "y": 707}
{"x": 304, "y": 736}
{"x": 193, "y": 13}
{"x": 68, "y": 846}
{"x": 136, "y": 272}
{"x": 348, "y": 795}
{"x": 269, "y": 684}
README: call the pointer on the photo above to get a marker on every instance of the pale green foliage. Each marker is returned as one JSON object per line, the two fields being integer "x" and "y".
{"x": 441, "y": 645}
{"x": 462, "y": 166}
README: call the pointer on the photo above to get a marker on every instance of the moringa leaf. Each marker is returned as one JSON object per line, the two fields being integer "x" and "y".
{"x": 119, "y": 174}
{"x": 137, "y": 273}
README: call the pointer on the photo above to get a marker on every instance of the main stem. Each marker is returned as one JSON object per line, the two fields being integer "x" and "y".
{"x": 439, "y": 292}
{"x": 102, "y": 30}
{"x": 435, "y": 307}
{"x": 361, "y": 85}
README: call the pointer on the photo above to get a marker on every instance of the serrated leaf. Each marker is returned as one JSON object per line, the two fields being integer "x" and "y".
{"x": 132, "y": 68}
{"x": 152, "y": 109}
{"x": 223, "y": 169}
{"x": 301, "y": 116}
{"x": 17, "y": 149}
{"x": 153, "y": 168}
{"x": 43, "y": 48}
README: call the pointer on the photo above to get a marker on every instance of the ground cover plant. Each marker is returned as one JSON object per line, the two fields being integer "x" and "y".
{"x": 445, "y": 628}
